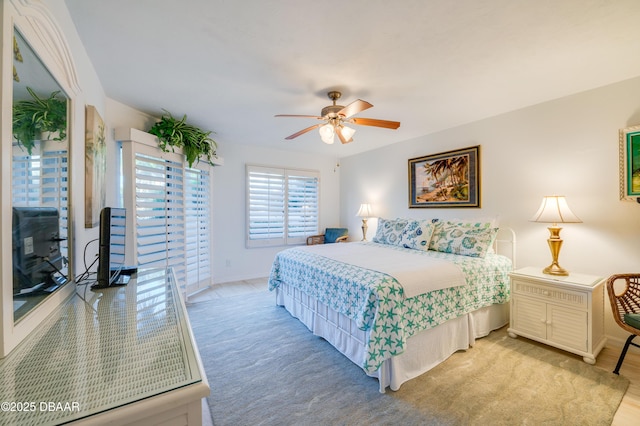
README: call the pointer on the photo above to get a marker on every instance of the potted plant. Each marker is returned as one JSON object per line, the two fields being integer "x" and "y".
{"x": 35, "y": 116}
{"x": 195, "y": 142}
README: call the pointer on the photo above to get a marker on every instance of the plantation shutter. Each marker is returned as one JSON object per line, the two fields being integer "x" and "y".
{"x": 159, "y": 214}
{"x": 198, "y": 236}
{"x": 42, "y": 180}
{"x": 266, "y": 206}
{"x": 170, "y": 205}
{"x": 282, "y": 206}
{"x": 302, "y": 207}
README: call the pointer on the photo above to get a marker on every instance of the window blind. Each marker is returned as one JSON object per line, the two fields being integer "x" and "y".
{"x": 172, "y": 206}
{"x": 282, "y": 205}
{"x": 302, "y": 205}
{"x": 198, "y": 236}
{"x": 42, "y": 180}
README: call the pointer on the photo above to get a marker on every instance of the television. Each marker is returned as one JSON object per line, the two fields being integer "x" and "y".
{"x": 37, "y": 260}
{"x": 111, "y": 250}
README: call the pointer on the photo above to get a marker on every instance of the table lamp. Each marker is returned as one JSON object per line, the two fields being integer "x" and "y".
{"x": 554, "y": 209}
{"x": 364, "y": 212}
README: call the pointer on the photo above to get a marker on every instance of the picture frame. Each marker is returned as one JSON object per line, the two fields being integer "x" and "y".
{"x": 446, "y": 179}
{"x": 95, "y": 164}
{"x": 629, "y": 167}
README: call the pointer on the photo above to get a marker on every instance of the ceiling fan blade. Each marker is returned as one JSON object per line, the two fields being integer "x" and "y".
{"x": 354, "y": 107}
{"x": 341, "y": 136}
{"x": 303, "y": 131}
{"x": 375, "y": 122}
{"x": 301, "y": 116}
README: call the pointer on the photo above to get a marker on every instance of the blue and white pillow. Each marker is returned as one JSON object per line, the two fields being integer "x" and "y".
{"x": 390, "y": 231}
{"x": 463, "y": 238}
{"x": 417, "y": 234}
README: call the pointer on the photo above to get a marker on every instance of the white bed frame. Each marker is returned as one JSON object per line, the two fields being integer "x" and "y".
{"x": 424, "y": 350}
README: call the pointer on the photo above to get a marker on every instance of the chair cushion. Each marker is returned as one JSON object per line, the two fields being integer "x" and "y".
{"x": 633, "y": 320}
{"x": 332, "y": 234}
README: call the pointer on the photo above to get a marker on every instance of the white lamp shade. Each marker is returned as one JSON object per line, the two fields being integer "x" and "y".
{"x": 365, "y": 211}
{"x": 327, "y": 133}
{"x": 554, "y": 209}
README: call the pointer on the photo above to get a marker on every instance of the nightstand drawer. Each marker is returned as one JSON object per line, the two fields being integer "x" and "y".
{"x": 552, "y": 294}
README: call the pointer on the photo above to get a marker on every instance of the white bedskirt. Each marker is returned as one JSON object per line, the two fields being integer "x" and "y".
{"x": 424, "y": 350}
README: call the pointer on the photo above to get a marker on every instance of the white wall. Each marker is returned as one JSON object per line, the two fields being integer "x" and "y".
{"x": 567, "y": 146}
{"x": 232, "y": 260}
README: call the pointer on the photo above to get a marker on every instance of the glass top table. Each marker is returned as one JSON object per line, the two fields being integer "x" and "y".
{"x": 102, "y": 350}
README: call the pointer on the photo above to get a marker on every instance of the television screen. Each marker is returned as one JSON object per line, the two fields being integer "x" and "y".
{"x": 37, "y": 261}
{"x": 111, "y": 251}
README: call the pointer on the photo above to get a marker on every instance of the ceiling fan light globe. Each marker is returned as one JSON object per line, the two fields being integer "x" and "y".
{"x": 348, "y": 132}
{"x": 328, "y": 140}
{"x": 327, "y": 133}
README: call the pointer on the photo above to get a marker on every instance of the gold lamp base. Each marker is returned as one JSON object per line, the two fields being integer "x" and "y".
{"x": 555, "y": 269}
{"x": 555, "y": 242}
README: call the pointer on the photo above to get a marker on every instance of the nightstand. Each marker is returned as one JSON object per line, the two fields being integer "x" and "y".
{"x": 564, "y": 312}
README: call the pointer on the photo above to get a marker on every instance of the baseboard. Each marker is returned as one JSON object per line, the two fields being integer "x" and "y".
{"x": 232, "y": 278}
{"x": 615, "y": 342}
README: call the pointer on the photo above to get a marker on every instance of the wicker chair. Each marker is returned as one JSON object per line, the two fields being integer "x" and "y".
{"x": 624, "y": 301}
{"x": 331, "y": 235}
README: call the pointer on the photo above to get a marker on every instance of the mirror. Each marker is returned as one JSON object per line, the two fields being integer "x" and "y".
{"x": 40, "y": 184}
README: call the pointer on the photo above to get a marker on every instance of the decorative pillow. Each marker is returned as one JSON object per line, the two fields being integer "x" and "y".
{"x": 463, "y": 238}
{"x": 633, "y": 320}
{"x": 487, "y": 221}
{"x": 332, "y": 234}
{"x": 417, "y": 234}
{"x": 440, "y": 235}
{"x": 390, "y": 231}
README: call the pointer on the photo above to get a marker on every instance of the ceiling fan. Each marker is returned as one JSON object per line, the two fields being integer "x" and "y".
{"x": 335, "y": 117}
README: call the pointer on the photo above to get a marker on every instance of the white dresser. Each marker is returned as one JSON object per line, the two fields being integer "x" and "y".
{"x": 565, "y": 312}
{"x": 117, "y": 356}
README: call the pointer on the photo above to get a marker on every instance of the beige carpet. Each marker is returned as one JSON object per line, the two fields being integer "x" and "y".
{"x": 265, "y": 368}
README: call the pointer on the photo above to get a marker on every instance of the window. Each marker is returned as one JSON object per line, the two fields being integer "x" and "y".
{"x": 42, "y": 179}
{"x": 282, "y": 205}
{"x": 171, "y": 206}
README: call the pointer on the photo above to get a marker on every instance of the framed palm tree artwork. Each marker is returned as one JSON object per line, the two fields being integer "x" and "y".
{"x": 629, "y": 142}
{"x": 95, "y": 164}
{"x": 447, "y": 179}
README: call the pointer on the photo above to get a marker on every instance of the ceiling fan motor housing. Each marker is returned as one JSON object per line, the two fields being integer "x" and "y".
{"x": 331, "y": 111}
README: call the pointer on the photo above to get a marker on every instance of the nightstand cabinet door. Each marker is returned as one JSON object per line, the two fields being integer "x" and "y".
{"x": 567, "y": 327}
{"x": 529, "y": 317}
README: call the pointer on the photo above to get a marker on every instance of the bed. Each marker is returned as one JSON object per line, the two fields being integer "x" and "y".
{"x": 403, "y": 303}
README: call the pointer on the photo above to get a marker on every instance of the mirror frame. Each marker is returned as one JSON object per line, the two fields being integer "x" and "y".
{"x": 38, "y": 26}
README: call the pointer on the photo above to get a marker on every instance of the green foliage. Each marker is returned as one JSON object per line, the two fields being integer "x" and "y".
{"x": 194, "y": 142}
{"x": 34, "y": 116}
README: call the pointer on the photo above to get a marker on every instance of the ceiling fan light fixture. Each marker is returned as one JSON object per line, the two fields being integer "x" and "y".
{"x": 334, "y": 116}
{"x": 327, "y": 133}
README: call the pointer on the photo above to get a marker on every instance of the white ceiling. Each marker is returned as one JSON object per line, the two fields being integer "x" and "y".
{"x": 231, "y": 65}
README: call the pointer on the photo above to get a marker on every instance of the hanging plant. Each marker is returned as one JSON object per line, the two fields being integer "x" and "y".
{"x": 194, "y": 142}
{"x": 35, "y": 116}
